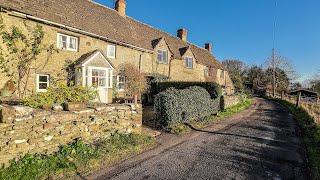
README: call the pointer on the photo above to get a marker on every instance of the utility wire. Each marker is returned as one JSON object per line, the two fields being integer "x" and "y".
{"x": 275, "y": 23}
{"x": 273, "y": 47}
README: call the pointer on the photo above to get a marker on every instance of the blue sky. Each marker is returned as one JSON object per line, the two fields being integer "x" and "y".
{"x": 240, "y": 29}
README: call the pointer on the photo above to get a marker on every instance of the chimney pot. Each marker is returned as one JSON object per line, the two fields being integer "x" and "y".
{"x": 208, "y": 46}
{"x": 182, "y": 34}
{"x": 121, "y": 7}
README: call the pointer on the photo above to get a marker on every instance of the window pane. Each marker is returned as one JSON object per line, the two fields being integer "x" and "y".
{"x": 43, "y": 85}
{"x": 121, "y": 85}
{"x": 159, "y": 57}
{"x": 63, "y": 41}
{"x": 73, "y": 43}
{"x": 102, "y": 82}
{"x": 43, "y": 79}
{"x": 121, "y": 79}
{"x": 95, "y": 73}
{"x": 94, "y": 81}
{"x": 165, "y": 56}
{"x": 102, "y": 73}
{"x": 111, "y": 51}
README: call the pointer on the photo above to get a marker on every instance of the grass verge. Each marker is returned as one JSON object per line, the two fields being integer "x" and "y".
{"x": 310, "y": 132}
{"x": 185, "y": 128}
{"x": 78, "y": 158}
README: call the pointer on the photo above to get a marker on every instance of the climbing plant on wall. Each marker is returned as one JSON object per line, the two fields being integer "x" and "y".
{"x": 19, "y": 52}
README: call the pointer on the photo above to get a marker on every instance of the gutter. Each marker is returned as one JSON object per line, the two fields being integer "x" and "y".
{"x": 22, "y": 15}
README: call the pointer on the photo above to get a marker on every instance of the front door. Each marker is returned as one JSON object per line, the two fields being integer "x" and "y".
{"x": 98, "y": 77}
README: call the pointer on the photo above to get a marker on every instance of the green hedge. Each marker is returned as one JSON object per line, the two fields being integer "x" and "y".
{"x": 174, "y": 106}
{"x": 213, "y": 88}
{"x": 61, "y": 94}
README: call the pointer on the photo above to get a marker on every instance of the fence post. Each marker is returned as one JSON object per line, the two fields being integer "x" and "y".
{"x": 282, "y": 95}
{"x": 298, "y": 99}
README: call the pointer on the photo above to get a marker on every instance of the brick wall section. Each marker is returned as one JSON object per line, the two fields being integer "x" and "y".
{"x": 230, "y": 101}
{"x": 25, "y": 130}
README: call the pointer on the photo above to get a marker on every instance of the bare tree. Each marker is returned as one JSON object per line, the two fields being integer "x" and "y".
{"x": 237, "y": 70}
{"x": 281, "y": 72}
{"x": 236, "y": 66}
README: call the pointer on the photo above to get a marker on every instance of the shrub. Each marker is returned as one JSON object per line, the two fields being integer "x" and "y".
{"x": 61, "y": 94}
{"x": 213, "y": 88}
{"x": 174, "y": 106}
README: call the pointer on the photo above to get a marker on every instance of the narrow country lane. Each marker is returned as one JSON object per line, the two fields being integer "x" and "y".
{"x": 259, "y": 143}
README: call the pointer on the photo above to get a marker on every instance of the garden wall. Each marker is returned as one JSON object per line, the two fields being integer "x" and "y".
{"x": 24, "y": 130}
{"x": 229, "y": 101}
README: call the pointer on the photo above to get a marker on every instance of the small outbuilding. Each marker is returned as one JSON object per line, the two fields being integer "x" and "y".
{"x": 306, "y": 94}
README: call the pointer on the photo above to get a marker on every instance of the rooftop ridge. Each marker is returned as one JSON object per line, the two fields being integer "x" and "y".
{"x": 121, "y": 34}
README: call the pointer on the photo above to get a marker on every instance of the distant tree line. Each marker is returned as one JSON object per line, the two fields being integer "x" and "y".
{"x": 260, "y": 77}
{"x": 315, "y": 82}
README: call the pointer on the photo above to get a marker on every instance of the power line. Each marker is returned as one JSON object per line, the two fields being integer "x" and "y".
{"x": 275, "y": 22}
{"x": 273, "y": 49}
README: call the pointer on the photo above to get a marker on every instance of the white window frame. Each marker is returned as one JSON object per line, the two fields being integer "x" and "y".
{"x": 109, "y": 49}
{"x": 206, "y": 71}
{"x": 162, "y": 60}
{"x": 118, "y": 82}
{"x": 189, "y": 62}
{"x": 68, "y": 42}
{"x": 38, "y": 83}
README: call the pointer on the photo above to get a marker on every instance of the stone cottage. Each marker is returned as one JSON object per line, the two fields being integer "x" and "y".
{"x": 100, "y": 39}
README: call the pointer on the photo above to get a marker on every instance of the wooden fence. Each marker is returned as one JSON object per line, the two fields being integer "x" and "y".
{"x": 312, "y": 107}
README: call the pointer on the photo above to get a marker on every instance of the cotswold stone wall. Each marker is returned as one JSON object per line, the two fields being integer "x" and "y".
{"x": 230, "y": 101}
{"x": 24, "y": 130}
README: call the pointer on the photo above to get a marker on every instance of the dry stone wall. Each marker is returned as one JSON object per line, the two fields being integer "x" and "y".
{"x": 229, "y": 101}
{"x": 24, "y": 130}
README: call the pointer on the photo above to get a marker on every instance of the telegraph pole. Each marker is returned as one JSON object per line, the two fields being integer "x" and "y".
{"x": 273, "y": 74}
{"x": 273, "y": 56}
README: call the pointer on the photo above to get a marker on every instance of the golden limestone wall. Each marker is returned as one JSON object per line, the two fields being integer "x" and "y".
{"x": 25, "y": 130}
{"x": 54, "y": 64}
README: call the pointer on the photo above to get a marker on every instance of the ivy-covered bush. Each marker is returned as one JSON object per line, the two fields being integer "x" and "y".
{"x": 213, "y": 88}
{"x": 61, "y": 94}
{"x": 174, "y": 106}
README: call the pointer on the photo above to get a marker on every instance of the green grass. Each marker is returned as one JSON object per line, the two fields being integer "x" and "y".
{"x": 78, "y": 158}
{"x": 185, "y": 128}
{"x": 310, "y": 134}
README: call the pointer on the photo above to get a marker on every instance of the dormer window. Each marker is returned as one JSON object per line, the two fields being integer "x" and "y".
{"x": 163, "y": 56}
{"x": 67, "y": 42}
{"x": 207, "y": 71}
{"x": 189, "y": 62}
{"x": 111, "y": 51}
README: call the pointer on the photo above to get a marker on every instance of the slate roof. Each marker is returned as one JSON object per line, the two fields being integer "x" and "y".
{"x": 104, "y": 21}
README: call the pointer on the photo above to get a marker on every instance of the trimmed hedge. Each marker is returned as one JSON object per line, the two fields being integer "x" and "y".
{"x": 213, "y": 88}
{"x": 174, "y": 106}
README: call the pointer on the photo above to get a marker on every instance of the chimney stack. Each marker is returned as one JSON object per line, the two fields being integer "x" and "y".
{"x": 182, "y": 34}
{"x": 208, "y": 46}
{"x": 121, "y": 7}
